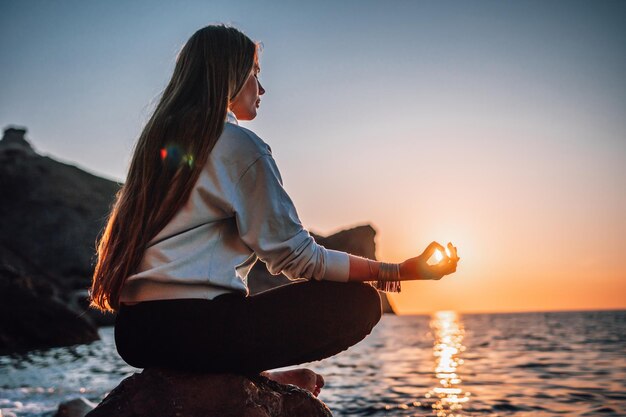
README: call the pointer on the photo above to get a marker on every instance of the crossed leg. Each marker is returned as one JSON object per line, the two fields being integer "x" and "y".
{"x": 285, "y": 326}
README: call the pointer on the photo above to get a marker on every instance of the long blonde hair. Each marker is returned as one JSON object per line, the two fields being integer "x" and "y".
{"x": 172, "y": 149}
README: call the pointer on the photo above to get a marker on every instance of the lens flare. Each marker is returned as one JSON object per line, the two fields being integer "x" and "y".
{"x": 174, "y": 157}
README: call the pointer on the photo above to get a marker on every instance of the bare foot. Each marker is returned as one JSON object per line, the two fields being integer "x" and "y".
{"x": 301, "y": 377}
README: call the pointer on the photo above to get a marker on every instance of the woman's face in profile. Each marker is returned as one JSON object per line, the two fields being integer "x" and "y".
{"x": 248, "y": 100}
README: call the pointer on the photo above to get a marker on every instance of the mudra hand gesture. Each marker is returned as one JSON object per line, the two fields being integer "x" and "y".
{"x": 418, "y": 268}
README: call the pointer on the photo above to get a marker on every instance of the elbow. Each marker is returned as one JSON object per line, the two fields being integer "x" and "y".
{"x": 305, "y": 261}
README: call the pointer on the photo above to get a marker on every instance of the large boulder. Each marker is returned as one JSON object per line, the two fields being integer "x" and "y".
{"x": 171, "y": 393}
{"x": 50, "y": 216}
{"x": 78, "y": 407}
{"x": 358, "y": 241}
{"x": 32, "y": 313}
{"x": 51, "y": 213}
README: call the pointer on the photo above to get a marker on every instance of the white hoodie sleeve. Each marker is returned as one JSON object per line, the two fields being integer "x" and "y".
{"x": 268, "y": 223}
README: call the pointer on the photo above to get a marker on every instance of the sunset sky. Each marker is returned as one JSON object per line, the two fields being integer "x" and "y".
{"x": 499, "y": 126}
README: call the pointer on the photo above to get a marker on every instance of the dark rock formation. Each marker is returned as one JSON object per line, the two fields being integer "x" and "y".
{"x": 357, "y": 241}
{"x": 51, "y": 213}
{"x": 78, "y": 407}
{"x": 169, "y": 393}
{"x": 14, "y": 143}
{"x": 32, "y": 313}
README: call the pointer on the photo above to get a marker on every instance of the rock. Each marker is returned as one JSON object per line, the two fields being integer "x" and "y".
{"x": 50, "y": 216}
{"x": 14, "y": 143}
{"x": 78, "y": 407}
{"x": 51, "y": 213}
{"x": 78, "y": 300}
{"x": 357, "y": 241}
{"x": 32, "y": 314}
{"x": 30, "y": 320}
{"x": 386, "y": 304}
{"x": 171, "y": 393}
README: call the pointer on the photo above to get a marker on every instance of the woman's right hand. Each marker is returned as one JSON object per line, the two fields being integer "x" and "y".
{"x": 418, "y": 268}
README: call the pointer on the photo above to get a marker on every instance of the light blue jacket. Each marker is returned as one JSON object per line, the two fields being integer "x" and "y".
{"x": 238, "y": 212}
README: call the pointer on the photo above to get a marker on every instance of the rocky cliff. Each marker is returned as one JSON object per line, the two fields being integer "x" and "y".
{"x": 50, "y": 216}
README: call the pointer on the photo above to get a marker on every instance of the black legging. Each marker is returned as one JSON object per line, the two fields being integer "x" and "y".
{"x": 288, "y": 325}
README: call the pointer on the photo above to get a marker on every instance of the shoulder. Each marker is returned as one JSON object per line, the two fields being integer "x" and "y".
{"x": 243, "y": 142}
{"x": 236, "y": 150}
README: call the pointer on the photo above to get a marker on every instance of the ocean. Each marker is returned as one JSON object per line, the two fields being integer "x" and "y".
{"x": 447, "y": 364}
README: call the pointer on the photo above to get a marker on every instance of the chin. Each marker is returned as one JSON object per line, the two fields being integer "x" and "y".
{"x": 246, "y": 115}
{"x": 249, "y": 116}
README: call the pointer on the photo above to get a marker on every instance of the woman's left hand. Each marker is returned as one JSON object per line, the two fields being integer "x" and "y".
{"x": 418, "y": 268}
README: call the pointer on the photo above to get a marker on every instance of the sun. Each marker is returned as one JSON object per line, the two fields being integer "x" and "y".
{"x": 438, "y": 256}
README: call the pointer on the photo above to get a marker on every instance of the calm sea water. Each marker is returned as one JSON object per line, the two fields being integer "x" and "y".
{"x": 531, "y": 364}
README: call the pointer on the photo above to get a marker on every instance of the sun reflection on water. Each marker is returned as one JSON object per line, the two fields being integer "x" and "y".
{"x": 448, "y": 332}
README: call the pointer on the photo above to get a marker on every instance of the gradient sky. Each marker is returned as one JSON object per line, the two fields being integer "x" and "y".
{"x": 499, "y": 126}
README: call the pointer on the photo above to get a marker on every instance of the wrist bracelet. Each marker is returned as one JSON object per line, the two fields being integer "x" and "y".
{"x": 388, "y": 278}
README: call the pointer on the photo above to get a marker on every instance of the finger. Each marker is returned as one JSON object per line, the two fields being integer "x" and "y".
{"x": 433, "y": 272}
{"x": 453, "y": 266}
{"x": 446, "y": 268}
{"x": 435, "y": 275}
{"x": 453, "y": 252}
{"x": 440, "y": 269}
{"x": 450, "y": 251}
{"x": 430, "y": 250}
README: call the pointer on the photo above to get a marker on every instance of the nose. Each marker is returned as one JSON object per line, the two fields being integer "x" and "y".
{"x": 261, "y": 89}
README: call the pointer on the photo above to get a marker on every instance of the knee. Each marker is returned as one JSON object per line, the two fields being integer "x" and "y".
{"x": 356, "y": 302}
{"x": 369, "y": 305}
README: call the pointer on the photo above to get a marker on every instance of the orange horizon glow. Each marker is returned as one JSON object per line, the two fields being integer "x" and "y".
{"x": 512, "y": 272}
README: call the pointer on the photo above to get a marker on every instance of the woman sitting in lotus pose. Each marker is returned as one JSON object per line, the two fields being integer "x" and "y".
{"x": 203, "y": 201}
